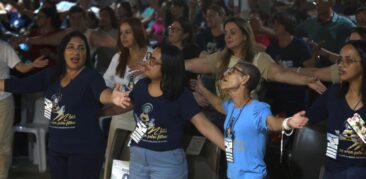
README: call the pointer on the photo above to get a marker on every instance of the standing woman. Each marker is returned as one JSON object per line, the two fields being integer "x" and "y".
{"x": 162, "y": 106}
{"x": 72, "y": 94}
{"x": 239, "y": 41}
{"x": 133, "y": 50}
{"x": 247, "y": 121}
{"x": 346, "y": 153}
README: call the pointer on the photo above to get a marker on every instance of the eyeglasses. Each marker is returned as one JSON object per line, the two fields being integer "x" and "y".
{"x": 231, "y": 70}
{"x": 346, "y": 61}
{"x": 72, "y": 48}
{"x": 152, "y": 61}
{"x": 174, "y": 29}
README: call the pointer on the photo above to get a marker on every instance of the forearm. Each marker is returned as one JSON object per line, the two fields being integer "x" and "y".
{"x": 214, "y": 100}
{"x": 33, "y": 83}
{"x": 23, "y": 68}
{"x": 106, "y": 96}
{"x": 113, "y": 110}
{"x": 330, "y": 56}
{"x": 209, "y": 130}
{"x": 290, "y": 77}
{"x": 198, "y": 65}
{"x": 274, "y": 123}
{"x": 324, "y": 74}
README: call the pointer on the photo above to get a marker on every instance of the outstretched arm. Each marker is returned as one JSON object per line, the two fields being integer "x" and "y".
{"x": 298, "y": 120}
{"x": 115, "y": 97}
{"x": 199, "y": 65}
{"x": 208, "y": 129}
{"x": 38, "y": 63}
{"x": 214, "y": 100}
{"x": 283, "y": 75}
{"x": 329, "y": 73}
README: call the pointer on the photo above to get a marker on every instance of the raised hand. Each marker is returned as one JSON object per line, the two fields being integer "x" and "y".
{"x": 120, "y": 98}
{"x": 298, "y": 120}
{"x": 40, "y": 62}
{"x": 138, "y": 68}
{"x": 317, "y": 85}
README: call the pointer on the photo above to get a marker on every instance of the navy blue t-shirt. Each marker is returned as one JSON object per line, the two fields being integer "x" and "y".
{"x": 210, "y": 43}
{"x": 72, "y": 110}
{"x": 288, "y": 98}
{"x": 351, "y": 151}
{"x": 165, "y": 119}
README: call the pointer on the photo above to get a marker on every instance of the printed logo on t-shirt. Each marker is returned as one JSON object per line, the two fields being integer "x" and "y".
{"x": 154, "y": 133}
{"x": 211, "y": 47}
{"x": 353, "y": 146}
{"x": 61, "y": 120}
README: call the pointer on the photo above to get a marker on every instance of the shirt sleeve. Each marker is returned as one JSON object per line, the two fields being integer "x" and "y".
{"x": 10, "y": 56}
{"x": 263, "y": 62}
{"x": 318, "y": 110}
{"x": 97, "y": 86}
{"x": 188, "y": 105}
{"x": 261, "y": 112}
{"x": 34, "y": 83}
{"x": 111, "y": 71}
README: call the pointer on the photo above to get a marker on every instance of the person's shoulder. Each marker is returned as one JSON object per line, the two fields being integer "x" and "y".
{"x": 142, "y": 82}
{"x": 5, "y": 45}
{"x": 258, "y": 104}
{"x": 334, "y": 88}
{"x": 298, "y": 42}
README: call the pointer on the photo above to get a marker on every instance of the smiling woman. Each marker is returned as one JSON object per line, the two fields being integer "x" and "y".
{"x": 72, "y": 94}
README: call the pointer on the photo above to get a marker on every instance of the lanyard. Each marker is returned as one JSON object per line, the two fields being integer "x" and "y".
{"x": 233, "y": 120}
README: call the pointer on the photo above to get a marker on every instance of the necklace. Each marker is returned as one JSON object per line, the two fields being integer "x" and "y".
{"x": 359, "y": 101}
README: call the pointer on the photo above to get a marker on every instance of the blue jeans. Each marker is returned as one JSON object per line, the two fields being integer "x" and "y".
{"x": 148, "y": 164}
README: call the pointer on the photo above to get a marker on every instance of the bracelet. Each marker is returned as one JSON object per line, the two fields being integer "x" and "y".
{"x": 285, "y": 125}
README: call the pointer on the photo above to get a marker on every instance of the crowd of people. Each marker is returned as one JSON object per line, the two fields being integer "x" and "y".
{"x": 165, "y": 64}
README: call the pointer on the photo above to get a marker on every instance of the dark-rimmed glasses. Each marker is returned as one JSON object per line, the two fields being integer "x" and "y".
{"x": 152, "y": 61}
{"x": 230, "y": 70}
{"x": 346, "y": 61}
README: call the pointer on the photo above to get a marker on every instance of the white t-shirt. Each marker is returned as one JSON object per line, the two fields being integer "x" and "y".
{"x": 8, "y": 59}
{"x": 111, "y": 78}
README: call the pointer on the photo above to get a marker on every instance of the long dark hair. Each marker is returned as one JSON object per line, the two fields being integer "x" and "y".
{"x": 140, "y": 38}
{"x": 172, "y": 70}
{"x": 247, "y": 49}
{"x": 360, "y": 46}
{"x": 60, "y": 68}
